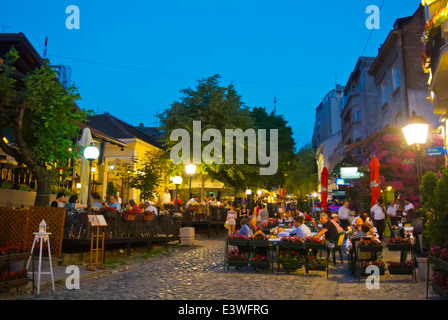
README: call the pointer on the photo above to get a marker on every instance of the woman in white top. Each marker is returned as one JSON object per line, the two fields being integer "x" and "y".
{"x": 231, "y": 219}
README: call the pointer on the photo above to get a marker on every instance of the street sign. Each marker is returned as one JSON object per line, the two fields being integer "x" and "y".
{"x": 351, "y": 173}
{"x": 435, "y": 152}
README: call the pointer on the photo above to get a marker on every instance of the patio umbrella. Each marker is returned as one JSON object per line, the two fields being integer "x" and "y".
{"x": 375, "y": 187}
{"x": 324, "y": 189}
{"x": 86, "y": 140}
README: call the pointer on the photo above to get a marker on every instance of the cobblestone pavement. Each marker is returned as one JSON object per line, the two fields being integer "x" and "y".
{"x": 198, "y": 273}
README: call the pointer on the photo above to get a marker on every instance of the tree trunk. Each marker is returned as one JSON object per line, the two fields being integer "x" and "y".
{"x": 43, "y": 187}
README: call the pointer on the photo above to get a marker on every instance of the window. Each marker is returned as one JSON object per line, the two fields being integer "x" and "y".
{"x": 395, "y": 77}
{"x": 383, "y": 92}
{"x": 357, "y": 115}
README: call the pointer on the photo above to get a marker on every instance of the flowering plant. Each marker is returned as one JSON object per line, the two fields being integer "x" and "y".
{"x": 408, "y": 264}
{"x": 316, "y": 240}
{"x": 398, "y": 240}
{"x": 317, "y": 261}
{"x": 234, "y": 255}
{"x": 261, "y": 258}
{"x": 13, "y": 248}
{"x": 440, "y": 280}
{"x": 270, "y": 224}
{"x": 435, "y": 251}
{"x": 109, "y": 208}
{"x": 289, "y": 256}
{"x": 378, "y": 263}
{"x": 367, "y": 242}
{"x": 293, "y": 239}
{"x": 9, "y": 276}
{"x": 259, "y": 236}
{"x": 234, "y": 235}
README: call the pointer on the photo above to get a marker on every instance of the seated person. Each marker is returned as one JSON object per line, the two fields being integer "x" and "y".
{"x": 301, "y": 230}
{"x": 247, "y": 229}
{"x": 114, "y": 203}
{"x": 149, "y": 207}
{"x": 366, "y": 231}
{"x": 95, "y": 202}
{"x": 334, "y": 220}
{"x": 59, "y": 202}
{"x": 134, "y": 207}
{"x": 192, "y": 201}
{"x": 357, "y": 225}
{"x": 329, "y": 230}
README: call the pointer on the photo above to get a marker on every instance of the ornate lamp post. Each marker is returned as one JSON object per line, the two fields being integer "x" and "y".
{"x": 416, "y": 134}
{"x": 191, "y": 170}
{"x": 91, "y": 153}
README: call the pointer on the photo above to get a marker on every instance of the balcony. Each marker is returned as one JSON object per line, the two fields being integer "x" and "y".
{"x": 439, "y": 69}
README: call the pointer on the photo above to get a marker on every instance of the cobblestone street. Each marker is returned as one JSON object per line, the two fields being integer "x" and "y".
{"x": 198, "y": 273}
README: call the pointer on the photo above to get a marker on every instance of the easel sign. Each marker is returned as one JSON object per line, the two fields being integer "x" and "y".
{"x": 97, "y": 250}
{"x": 97, "y": 221}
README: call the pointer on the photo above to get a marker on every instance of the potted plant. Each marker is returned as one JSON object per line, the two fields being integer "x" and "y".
{"x": 440, "y": 284}
{"x": 439, "y": 256}
{"x": 129, "y": 215}
{"x": 236, "y": 259}
{"x": 109, "y": 212}
{"x": 259, "y": 240}
{"x": 315, "y": 243}
{"x": 399, "y": 244}
{"x": 237, "y": 240}
{"x": 370, "y": 245}
{"x": 406, "y": 267}
{"x": 14, "y": 251}
{"x": 294, "y": 242}
{"x": 291, "y": 260}
{"x": 364, "y": 264}
{"x": 318, "y": 263}
{"x": 260, "y": 262}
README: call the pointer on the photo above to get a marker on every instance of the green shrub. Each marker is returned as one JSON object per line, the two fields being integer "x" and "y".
{"x": 437, "y": 225}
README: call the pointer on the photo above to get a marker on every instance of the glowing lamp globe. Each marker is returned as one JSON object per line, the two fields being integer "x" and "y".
{"x": 259, "y": 192}
{"x": 91, "y": 153}
{"x": 43, "y": 227}
{"x": 248, "y": 192}
{"x": 416, "y": 132}
{"x": 177, "y": 180}
{"x": 190, "y": 169}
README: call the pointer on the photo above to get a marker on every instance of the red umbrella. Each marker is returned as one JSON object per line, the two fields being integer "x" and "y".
{"x": 375, "y": 184}
{"x": 324, "y": 189}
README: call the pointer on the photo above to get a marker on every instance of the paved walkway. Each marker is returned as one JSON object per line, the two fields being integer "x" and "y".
{"x": 198, "y": 272}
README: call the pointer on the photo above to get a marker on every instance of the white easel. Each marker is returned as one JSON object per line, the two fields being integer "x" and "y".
{"x": 42, "y": 236}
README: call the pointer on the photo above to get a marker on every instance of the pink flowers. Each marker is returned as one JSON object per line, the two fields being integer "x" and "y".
{"x": 234, "y": 255}
{"x": 397, "y": 240}
{"x": 293, "y": 239}
{"x": 316, "y": 240}
{"x": 439, "y": 253}
{"x": 408, "y": 264}
{"x": 234, "y": 235}
{"x": 261, "y": 258}
{"x": 378, "y": 263}
{"x": 13, "y": 248}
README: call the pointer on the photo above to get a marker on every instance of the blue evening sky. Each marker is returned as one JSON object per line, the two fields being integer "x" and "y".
{"x": 289, "y": 49}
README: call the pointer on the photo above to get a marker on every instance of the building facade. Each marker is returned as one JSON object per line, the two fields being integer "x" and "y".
{"x": 401, "y": 83}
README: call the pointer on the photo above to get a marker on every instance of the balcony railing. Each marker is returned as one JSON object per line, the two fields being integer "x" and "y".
{"x": 440, "y": 40}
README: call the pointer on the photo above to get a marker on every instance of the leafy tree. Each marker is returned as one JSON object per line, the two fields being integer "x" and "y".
{"x": 43, "y": 117}
{"x": 218, "y": 108}
{"x": 302, "y": 178}
{"x": 427, "y": 187}
{"x": 148, "y": 176}
{"x": 437, "y": 225}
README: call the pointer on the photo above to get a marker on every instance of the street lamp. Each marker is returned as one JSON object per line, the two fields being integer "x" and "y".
{"x": 177, "y": 180}
{"x": 91, "y": 153}
{"x": 191, "y": 170}
{"x": 416, "y": 133}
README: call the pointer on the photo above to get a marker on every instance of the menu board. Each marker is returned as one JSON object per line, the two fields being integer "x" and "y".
{"x": 97, "y": 221}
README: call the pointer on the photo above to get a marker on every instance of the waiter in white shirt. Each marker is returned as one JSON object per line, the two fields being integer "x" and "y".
{"x": 392, "y": 212}
{"x": 378, "y": 216}
{"x": 166, "y": 198}
{"x": 408, "y": 211}
{"x": 344, "y": 215}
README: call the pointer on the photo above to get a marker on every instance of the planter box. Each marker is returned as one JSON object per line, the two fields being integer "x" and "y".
{"x": 148, "y": 217}
{"x": 400, "y": 271}
{"x": 260, "y": 264}
{"x": 292, "y": 265}
{"x": 238, "y": 264}
{"x": 364, "y": 274}
{"x": 110, "y": 214}
{"x": 238, "y": 242}
{"x": 373, "y": 248}
{"x": 318, "y": 268}
{"x": 316, "y": 246}
{"x": 440, "y": 291}
{"x": 14, "y": 283}
{"x": 292, "y": 246}
{"x": 259, "y": 243}
{"x": 14, "y": 257}
{"x": 400, "y": 247}
{"x": 129, "y": 217}
{"x": 442, "y": 264}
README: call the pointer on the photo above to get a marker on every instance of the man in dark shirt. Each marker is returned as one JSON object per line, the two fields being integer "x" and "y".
{"x": 329, "y": 229}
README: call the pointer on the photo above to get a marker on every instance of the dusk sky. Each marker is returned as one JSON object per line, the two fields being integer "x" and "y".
{"x": 131, "y": 58}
